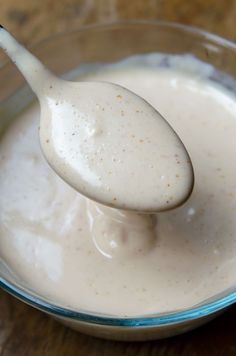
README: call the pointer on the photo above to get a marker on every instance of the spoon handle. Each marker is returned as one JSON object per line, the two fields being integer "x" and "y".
{"x": 30, "y": 67}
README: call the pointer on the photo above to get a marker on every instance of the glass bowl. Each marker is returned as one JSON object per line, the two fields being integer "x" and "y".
{"x": 106, "y": 44}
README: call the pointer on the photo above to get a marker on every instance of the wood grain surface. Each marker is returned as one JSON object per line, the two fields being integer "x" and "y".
{"x": 25, "y": 331}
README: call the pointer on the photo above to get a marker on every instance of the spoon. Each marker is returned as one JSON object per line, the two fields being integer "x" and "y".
{"x": 104, "y": 140}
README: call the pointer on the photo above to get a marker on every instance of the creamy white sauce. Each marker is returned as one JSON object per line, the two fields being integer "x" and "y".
{"x": 105, "y": 141}
{"x": 88, "y": 257}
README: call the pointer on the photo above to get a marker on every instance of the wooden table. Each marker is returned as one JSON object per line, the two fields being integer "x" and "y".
{"x": 28, "y": 332}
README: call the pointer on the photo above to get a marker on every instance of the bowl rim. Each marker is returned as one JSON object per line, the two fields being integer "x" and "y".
{"x": 159, "y": 23}
{"x": 168, "y": 318}
{"x": 115, "y": 321}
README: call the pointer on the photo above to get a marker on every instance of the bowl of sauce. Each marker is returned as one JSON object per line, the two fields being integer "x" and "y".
{"x": 124, "y": 270}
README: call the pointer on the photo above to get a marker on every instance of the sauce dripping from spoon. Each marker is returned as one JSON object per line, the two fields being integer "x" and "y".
{"x": 105, "y": 141}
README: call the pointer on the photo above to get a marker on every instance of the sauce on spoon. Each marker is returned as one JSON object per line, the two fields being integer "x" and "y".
{"x": 105, "y": 141}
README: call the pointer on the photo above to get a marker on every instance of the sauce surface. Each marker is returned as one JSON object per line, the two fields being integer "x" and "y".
{"x": 84, "y": 256}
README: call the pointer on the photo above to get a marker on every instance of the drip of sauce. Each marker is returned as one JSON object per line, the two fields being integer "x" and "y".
{"x": 119, "y": 234}
{"x": 105, "y": 141}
